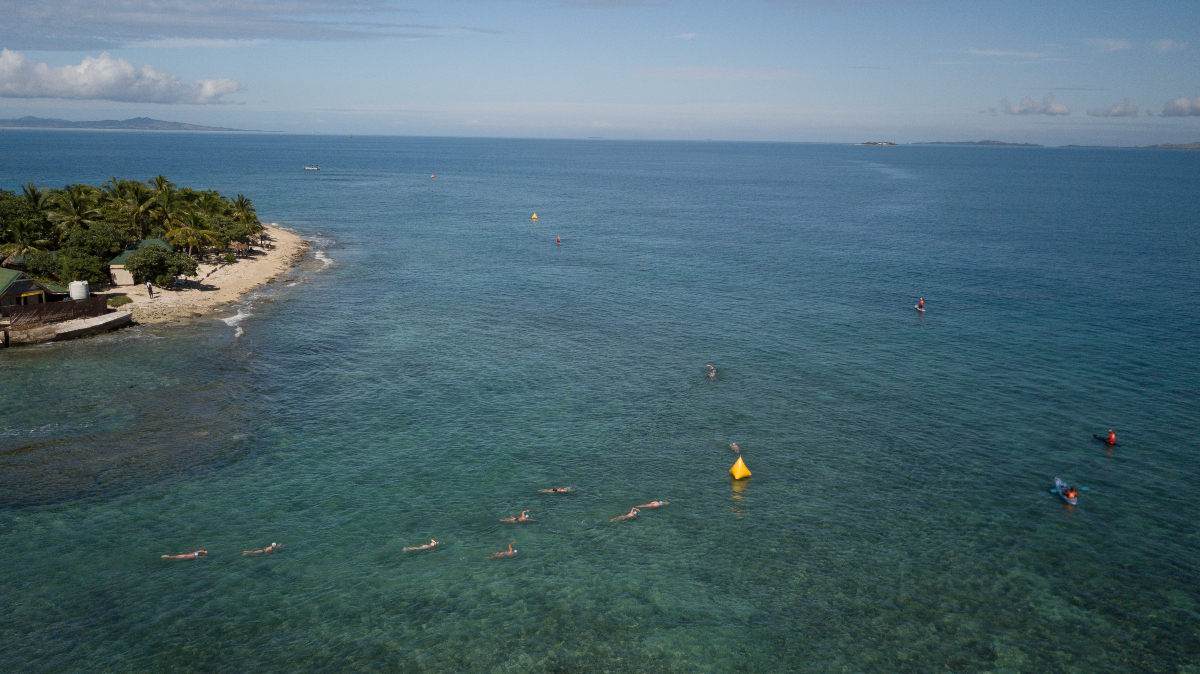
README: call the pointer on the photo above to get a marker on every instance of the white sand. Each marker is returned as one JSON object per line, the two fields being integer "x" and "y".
{"x": 219, "y": 284}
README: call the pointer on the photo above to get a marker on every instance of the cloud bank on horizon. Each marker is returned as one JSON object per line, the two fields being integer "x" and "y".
{"x": 104, "y": 78}
{"x": 758, "y": 70}
{"x": 1028, "y": 107}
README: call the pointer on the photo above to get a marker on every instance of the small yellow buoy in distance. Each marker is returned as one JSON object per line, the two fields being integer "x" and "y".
{"x": 535, "y": 216}
{"x": 739, "y": 470}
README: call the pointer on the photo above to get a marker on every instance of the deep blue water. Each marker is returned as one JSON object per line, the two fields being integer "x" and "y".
{"x": 451, "y": 359}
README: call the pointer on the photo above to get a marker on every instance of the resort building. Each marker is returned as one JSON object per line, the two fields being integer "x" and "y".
{"x": 116, "y": 268}
{"x": 17, "y": 288}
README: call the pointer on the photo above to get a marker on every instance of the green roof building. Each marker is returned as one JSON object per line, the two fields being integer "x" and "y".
{"x": 116, "y": 268}
{"x": 17, "y": 288}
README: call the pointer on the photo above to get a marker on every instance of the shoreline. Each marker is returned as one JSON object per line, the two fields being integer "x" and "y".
{"x": 219, "y": 285}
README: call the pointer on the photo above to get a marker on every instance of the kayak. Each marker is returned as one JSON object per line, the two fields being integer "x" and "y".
{"x": 1103, "y": 439}
{"x": 1061, "y": 488}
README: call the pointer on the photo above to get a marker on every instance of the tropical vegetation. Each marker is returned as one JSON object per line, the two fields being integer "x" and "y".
{"x": 71, "y": 234}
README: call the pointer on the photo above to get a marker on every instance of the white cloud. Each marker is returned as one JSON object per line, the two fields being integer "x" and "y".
{"x": 685, "y": 36}
{"x": 725, "y": 74}
{"x": 104, "y": 78}
{"x": 1029, "y": 107}
{"x": 1109, "y": 44}
{"x": 1124, "y": 109}
{"x": 1164, "y": 46}
{"x": 1182, "y": 107}
{"x": 998, "y": 52}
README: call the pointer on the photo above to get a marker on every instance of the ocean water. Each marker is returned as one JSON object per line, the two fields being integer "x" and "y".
{"x": 440, "y": 357}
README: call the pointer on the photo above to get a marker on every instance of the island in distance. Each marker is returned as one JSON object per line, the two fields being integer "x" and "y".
{"x": 135, "y": 124}
{"x": 980, "y": 142}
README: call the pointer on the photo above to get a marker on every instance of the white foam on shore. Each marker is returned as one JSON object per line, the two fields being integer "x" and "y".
{"x": 325, "y": 259}
{"x": 235, "y": 319}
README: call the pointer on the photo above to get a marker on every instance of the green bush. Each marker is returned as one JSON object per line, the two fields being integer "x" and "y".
{"x": 159, "y": 265}
{"x": 44, "y": 265}
{"x": 79, "y": 266}
{"x": 118, "y": 301}
{"x": 230, "y": 258}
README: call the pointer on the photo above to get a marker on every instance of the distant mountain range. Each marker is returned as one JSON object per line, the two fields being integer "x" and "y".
{"x": 980, "y": 142}
{"x": 135, "y": 124}
{"x": 1164, "y": 146}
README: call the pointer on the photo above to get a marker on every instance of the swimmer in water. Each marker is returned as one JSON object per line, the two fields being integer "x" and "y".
{"x": 270, "y": 548}
{"x": 515, "y": 520}
{"x": 510, "y": 552}
{"x": 734, "y": 447}
{"x": 653, "y": 504}
{"x": 191, "y": 555}
{"x": 712, "y": 372}
{"x": 633, "y": 512}
{"x": 428, "y": 546}
{"x": 557, "y": 490}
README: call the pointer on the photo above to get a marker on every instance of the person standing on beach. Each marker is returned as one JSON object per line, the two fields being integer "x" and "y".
{"x": 149, "y": 289}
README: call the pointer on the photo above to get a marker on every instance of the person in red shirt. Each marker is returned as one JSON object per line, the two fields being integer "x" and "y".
{"x": 1112, "y": 437}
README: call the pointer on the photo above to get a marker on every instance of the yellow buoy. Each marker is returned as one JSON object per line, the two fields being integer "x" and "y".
{"x": 739, "y": 470}
{"x": 535, "y": 216}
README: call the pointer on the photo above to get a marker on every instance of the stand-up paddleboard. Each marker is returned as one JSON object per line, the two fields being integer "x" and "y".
{"x": 1061, "y": 488}
{"x": 1103, "y": 439}
{"x": 919, "y": 309}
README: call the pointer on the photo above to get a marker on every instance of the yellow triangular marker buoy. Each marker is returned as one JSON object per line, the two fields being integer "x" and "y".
{"x": 739, "y": 470}
{"x": 535, "y": 216}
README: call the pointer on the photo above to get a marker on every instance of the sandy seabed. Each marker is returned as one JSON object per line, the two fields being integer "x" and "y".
{"x": 217, "y": 285}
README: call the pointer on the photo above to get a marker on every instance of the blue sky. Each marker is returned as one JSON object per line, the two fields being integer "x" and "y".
{"x": 825, "y": 70}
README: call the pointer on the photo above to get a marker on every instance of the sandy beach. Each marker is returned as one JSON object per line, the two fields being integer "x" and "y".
{"x": 216, "y": 284}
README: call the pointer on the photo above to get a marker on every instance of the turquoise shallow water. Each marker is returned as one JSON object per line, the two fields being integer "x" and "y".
{"x": 449, "y": 359}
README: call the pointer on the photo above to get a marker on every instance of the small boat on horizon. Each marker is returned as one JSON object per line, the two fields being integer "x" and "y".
{"x": 314, "y": 167}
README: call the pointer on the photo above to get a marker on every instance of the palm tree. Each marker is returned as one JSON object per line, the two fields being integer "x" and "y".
{"x": 25, "y": 240}
{"x": 113, "y": 191}
{"x": 161, "y": 184}
{"x": 73, "y": 207}
{"x": 211, "y": 203}
{"x": 243, "y": 210}
{"x": 167, "y": 208}
{"x": 139, "y": 201}
{"x": 191, "y": 230}
{"x": 37, "y": 198}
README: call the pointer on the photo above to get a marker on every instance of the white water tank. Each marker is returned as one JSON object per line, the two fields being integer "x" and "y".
{"x": 79, "y": 290}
